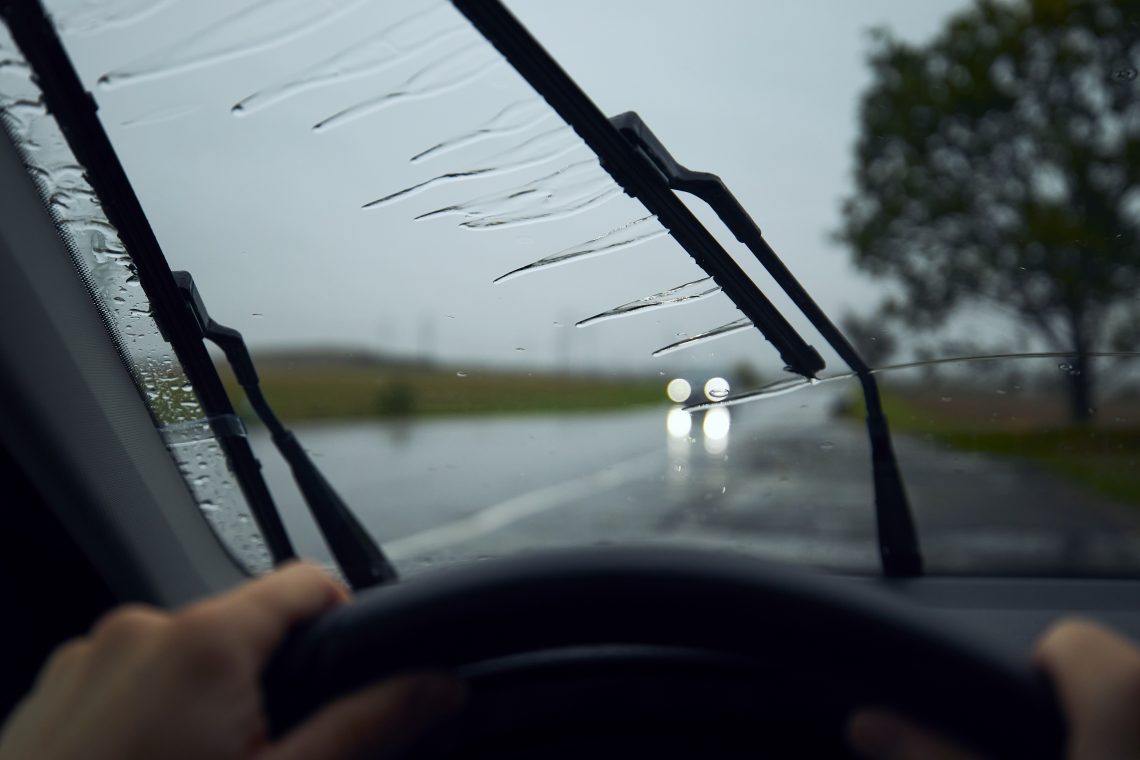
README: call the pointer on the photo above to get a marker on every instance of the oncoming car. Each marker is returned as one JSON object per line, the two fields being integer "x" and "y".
{"x": 407, "y": 287}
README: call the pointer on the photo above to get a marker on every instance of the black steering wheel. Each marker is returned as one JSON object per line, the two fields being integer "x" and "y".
{"x": 649, "y": 651}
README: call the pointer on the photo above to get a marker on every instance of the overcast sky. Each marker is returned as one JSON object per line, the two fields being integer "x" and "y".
{"x": 267, "y": 212}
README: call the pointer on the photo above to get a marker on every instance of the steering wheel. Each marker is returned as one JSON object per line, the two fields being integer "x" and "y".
{"x": 653, "y": 651}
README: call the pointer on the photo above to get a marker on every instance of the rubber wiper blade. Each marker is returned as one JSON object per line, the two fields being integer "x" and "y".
{"x": 180, "y": 314}
{"x": 638, "y": 162}
{"x": 75, "y": 112}
{"x": 359, "y": 557}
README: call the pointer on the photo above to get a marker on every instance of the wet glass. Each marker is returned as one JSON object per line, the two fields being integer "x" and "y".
{"x": 106, "y": 268}
{"x": 474, "y": 330}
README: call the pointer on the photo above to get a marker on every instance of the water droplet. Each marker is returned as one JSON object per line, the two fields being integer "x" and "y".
{"x": 717, "y": 332}
{"x": 250, "y": 30}
{"x": 684, "y": 293}
{"x": 633, "y": 233}
{"x": 1124, "y": 75}
{"x": 450, "y": 71}
{"x": 826, "y": 446}
{"x": 461, "y": 374}
{"x": 947, "y": 399}
{"x": 1000, "y": 392}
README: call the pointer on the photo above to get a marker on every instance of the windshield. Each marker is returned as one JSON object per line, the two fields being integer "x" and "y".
{"x": 488, "y": 347}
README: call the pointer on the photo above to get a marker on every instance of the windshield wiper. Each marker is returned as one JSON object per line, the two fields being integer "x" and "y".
{"x": 638, "y": 162}
{"x": 359, "y": 557}
{"x": 180, "y": 315}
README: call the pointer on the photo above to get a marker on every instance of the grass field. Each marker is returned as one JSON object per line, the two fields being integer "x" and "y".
{"x": 1105, "y": 454}
{"x": 344, "y": 391}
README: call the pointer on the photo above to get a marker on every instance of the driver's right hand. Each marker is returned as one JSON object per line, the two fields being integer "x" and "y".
{"x": 1097, "y": 675}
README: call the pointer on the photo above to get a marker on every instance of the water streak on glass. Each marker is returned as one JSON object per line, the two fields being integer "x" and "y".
{"x": 536, "y": 151}
{"x": 263, "y": 26}
{"x": 782, "y": 387}
{"x": 515, "y": 118}
{"x": 620, "y": 238}
{"x": 772, "y": 390}
{"x": 395, "y": 44}
{"x": 735, "y": 326}
{"x": 576, "y": 187}
{"x": 160, "y": 116}
{"x": 86, "y": 17}
{"x": 103, "y": 264}
{"x": 454, "y": 69}
{"x": 681, "y": 294}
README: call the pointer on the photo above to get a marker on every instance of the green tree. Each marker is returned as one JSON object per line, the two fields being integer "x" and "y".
{"x": 1000, "y": 164}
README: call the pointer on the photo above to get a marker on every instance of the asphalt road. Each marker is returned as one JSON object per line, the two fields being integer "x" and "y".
{"x": 788, "y": 480}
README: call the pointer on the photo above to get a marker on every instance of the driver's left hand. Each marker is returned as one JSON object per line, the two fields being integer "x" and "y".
{"x": 147, "y": 684}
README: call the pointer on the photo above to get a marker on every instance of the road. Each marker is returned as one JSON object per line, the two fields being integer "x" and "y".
{"x": 786, "y": 480}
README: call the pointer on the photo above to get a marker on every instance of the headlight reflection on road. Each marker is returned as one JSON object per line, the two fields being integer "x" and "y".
{"x": 715, "y": 427}
{"x": 678, "y": 422}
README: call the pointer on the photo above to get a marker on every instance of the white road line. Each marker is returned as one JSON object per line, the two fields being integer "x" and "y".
{"x": 524, "y": 505}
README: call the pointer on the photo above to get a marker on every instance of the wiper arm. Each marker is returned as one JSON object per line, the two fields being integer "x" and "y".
{"x": 359, "y": 557}
{"x": 640, "y": 164}
{"x": 636, "y": 177}
{"x": 75, "y": 112}
{"x": 898, "y": 541}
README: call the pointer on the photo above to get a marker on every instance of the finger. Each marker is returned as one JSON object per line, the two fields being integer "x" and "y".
{"x": 882, "y": 735}
{"x": 1083, "y": 657}
{"x": 1097, "y": 676}
{"x": 381, "y": 720}
{"x": 263, "y": 610}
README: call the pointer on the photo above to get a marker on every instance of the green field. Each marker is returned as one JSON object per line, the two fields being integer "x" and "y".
{"x": 343, "y": 391}
{"x": 1104, "y": 455}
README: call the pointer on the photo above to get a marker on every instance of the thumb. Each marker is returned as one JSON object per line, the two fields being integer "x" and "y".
{"x": 381, "y": 720}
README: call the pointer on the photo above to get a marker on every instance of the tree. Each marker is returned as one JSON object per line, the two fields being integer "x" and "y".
{"x": 1000, "y": 165}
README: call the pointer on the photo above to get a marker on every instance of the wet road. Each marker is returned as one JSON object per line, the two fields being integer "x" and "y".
{"x": 785, "y": 479}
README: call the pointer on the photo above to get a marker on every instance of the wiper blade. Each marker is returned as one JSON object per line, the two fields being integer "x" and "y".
{"x": 74, "y": 109}
{"x": 898, "y": 541}
{"x": 638, "y": 162}
{"x": 633, "y": 172}
{"x": 359, "y": 557}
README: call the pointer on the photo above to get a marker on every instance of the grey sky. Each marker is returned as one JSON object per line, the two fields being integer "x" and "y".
{"x": 267, "y": 213}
